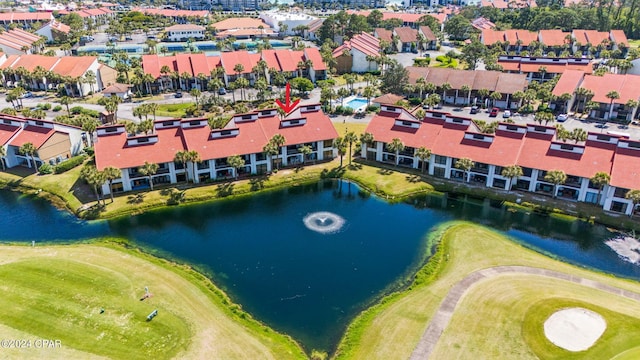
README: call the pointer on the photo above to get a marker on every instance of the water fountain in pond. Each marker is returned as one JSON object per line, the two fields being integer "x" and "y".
{"x": 323, "y": 222}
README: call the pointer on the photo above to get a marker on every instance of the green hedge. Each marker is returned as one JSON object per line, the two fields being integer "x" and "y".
{"x": 70, "y": 164}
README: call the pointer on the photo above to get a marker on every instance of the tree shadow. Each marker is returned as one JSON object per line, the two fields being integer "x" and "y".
{"x": 175, "y": 196}
{"x": 355, "y": 166}
{"x": 225, "y": 189}
{"x": 385, "y": 172}
{"x": 135, "y": 198}
{"x": 91, "y": 212}
{"x": 336, "y": 172}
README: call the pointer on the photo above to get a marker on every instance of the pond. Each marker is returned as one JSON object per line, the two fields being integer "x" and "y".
{"x": 307, "y": 259}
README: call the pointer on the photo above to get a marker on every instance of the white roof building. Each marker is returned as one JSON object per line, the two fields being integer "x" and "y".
{"x": 275, "y": 18}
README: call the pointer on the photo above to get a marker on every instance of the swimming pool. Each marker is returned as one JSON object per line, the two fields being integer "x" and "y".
{"x": 356, "y": 103}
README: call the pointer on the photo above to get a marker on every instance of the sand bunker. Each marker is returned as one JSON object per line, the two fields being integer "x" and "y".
{"x": 627, "y": 248}
{"x": 574, "y": 329}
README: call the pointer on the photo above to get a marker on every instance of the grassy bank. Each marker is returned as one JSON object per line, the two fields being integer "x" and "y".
{"x": 195, "y": 319}
{"x": 488, "y": 322}
{"x": 390, "y": 182}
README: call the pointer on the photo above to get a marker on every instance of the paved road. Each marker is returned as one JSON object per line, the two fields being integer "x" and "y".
{"x": 443, "y": 315}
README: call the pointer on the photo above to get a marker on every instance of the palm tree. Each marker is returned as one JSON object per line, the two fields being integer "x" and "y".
{"x": 194, "y": 158}
{"x": 182, "y": 157}
{"x": 445, "y": 87}
{"x": 278, "y": 141}
{"x": 305, "y": 150}
{"x": 29, "y": 150}
{"x": 467, "y": 88}
{"x": 556, "y": 177}
{"x": 271, "y": 150}
{"x": 369, "y": 92}
{"x": 465, "y": 164}
{"x": 578, "y": 135}
{"x": 612, "y": 95}
{"x": 634, "y": 196}
{"x": 396, "y": 146}
{"x": 367, "y": 140}
{"x": 423, "y": 154}
{"x": 341, "y": 146}
{"x": 600, "y": 179}
{"x": 110, "y": 174}
{"x": 65, "y": 100}
{"x": 239, "y": 69}
{"x": 495, "y": 96}
{"x": 94, "y": 178}
{"x": 236, "y": 162}
{"x": 350, "y": 138}
{"x": 511, "y": 172}
{"x": 89, "y": 125}
{"x": 148, "y": 170}
{"x": 483, "y": 93}
{"x": 90, "y": 78}
{"x": 196, "y": 94}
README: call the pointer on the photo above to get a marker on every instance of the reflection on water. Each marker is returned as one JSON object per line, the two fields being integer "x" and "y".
{"x": 300, "y": 281}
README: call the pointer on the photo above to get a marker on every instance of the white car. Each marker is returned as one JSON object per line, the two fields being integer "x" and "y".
{"x": 562, "y": 117}
{"x": 506, "y": 114}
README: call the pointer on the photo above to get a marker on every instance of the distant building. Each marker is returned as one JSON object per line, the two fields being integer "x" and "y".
{"x": 184, "y": 32}
{"x": 54, "y": 142}
{"x": 291, "y": 19}
{"x": 354, "y": 55}
{"x": 346, "y": 4}
{"x": 238, "y": 5}
{"x": 121, "y": 90}
{"x": 54, "y": 31}
{"x": 18, "y": 42}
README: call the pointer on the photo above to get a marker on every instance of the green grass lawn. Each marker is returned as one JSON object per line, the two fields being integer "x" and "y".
{"x": 57, "y": 292}
{"x": 490, "y": 322}
{"x": 357, "y": 128}
{"x": 173, "y": 110}
{"x": 634, "y": 43}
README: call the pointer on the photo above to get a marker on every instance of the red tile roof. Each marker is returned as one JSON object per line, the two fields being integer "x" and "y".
{"x": 26, "y": 16}
{"x": 239, "y": 23}
{"x": 58, "y": 26}
{"x": 314, "y": 55}
{"x": 74, "y": 66}
{"x": 30, "y": 62}
{"x": 112, "y": 150}
{"x": 406, "y": 34}
{"x": 289, "y": 59}
{"x": 365, "y": 43}
{"x": 269, "y": 56}
{"x": 231, "y": 59}
{"x": 626, "y": 85}
{"x": 193, "y": 64}
{"x": 173, "y": 13}
{"x": 619, "y": 37}
{"x": 33, "y": 134}
{"x": 536, "y": 153}
{"x": 596, "y": 37}
{"x": 625, "y": 172}
{"x": 383, "y": 34}
{"x": 6, "y": 132}
{"x": 556, "y": 68}
{"x": 427, "y": 33}
{"x": 185, "y": 27}
{"x": 490, "y": 36}
{"x": 555, "y": 37}
{"x": 568, "y": 83}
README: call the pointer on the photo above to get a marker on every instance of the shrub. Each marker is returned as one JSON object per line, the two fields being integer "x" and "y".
{"x": 57, "y": 108}
{"x": 45, "y": 169}
{"x": 372, "y": 108}
{"x": 347, "y": 111}
{"x": 415, "y": 101}
{"x": 77, "y": 110}
{"x": 45, "y": 106}
{"x": 89, "y": 151}
{"x": 422, "y": 62}
{"x": 70, "y": 164}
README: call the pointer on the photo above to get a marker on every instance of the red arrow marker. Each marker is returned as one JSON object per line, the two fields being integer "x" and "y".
{"x": 288, "y": 106}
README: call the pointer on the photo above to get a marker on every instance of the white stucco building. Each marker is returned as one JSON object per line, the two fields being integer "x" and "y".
{"x": 275, "y": 18}
{"x": 184, "y": 32}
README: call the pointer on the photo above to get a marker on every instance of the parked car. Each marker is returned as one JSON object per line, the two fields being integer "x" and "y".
{"x": 494, "y": 112}
{"x": 128, "y": 38}
{"x": 113, "y": 38}
{"x": 222, "y": 91}
{"x": 474, "y": 109}
{"x": 26, "y": 95}
{"x": 506, "y": 114}
{"x": 562, "y": 117}
{"x": 178, "y": 94}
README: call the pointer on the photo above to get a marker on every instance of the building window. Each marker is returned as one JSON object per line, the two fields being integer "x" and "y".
{"x": 442, "y": 160}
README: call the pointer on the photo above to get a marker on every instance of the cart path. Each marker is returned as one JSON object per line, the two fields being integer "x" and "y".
{"x": 442, "y": 317}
